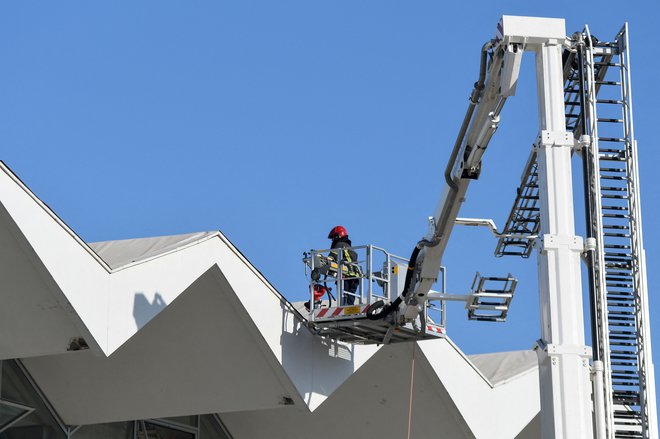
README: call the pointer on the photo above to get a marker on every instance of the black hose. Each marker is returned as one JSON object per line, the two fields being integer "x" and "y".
{"x": 327, "y": 290}
{"x": 586, "y": 177}
{"x": 474, "y": 99}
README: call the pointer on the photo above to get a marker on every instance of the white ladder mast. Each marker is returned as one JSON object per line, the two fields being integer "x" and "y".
{"x": 565, "y": 372}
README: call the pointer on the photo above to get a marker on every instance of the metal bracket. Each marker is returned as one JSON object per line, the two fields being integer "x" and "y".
{"x": 481, "y": 222}
{"x": 590, "y": 245}
{"x": 553, "y": 242}
{"x": 545, "y": 350}
{"x": 582, "y": 144}
{"x": 554, "y": 139}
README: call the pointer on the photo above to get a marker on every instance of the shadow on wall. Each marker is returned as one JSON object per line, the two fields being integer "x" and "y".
{"x": 143, "y": 311}
{"x": 316, "y": 364}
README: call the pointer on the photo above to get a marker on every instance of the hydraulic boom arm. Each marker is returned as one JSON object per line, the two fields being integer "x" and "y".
{"x": 498, "y": 75}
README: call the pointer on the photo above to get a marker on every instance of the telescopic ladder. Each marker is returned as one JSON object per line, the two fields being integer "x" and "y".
{"x": 599, "y": 84}
{"x": 598, "y": 111}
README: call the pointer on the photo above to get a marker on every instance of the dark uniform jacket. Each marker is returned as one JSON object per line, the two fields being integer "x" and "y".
{"x": 347, "y": 254}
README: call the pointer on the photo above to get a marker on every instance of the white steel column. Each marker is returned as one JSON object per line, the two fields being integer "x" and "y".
{"x": 563, "y": 356}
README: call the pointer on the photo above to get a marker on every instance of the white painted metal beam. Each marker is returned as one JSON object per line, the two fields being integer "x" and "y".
{"x": 563, "y": 356}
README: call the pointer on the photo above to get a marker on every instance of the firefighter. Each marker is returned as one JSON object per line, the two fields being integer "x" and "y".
{"x": 339, "y": 237}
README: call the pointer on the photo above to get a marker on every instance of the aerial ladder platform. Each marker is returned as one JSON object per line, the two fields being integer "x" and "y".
{"x": 606, "y": 390}
{"x": 380, "y": 278}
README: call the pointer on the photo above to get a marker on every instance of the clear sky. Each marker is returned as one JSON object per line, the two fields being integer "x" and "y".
{"x": 274, "y": 121}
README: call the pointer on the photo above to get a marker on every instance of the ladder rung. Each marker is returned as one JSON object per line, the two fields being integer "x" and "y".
{"x": 618, "y": 273}
{"x": 620, "y": 284}
{"x": 625, "y": 393}
{"x": 617, "y": 235}
{"x": 630, "y": 287}
{"x": 621, "y": 397}
{"x": 609, "y": 101}
{"x": 620, "y": 434}
{"x": 618, "y": 279}
{"x": 627, "y": 414}
{"x": 611, "y": 139}
{"x": 486, "y": 318}
{"x": 496, "y": 278}
{"x": 622, "y": 293}
{"x": 621, "y": 313}
{"x": 615, "y": 227}
{"x": 615, "y": 323}
{"x": 620, "y": 265}
{"x": 632, "y": 378}
{"x": 615, "y": 188}
{"x": 614, "y": 254}
{"x": 602, "y": 44}
{"x": 613, "y": 169}
{"x": 625, "y": 383}
{"x": 612, "y": 158}
{"x": 621, "y": 373}
{"x": 629, "y": 363}
{"x": 613, "y": 258}
{"x": 620, "y": 301}
{"x": 623, "y": 337}
{"x": 626, "y": 299}
{"x": 608, "y": 83}
{"x": 609, "y": 120}
{"x": 628, "y": 303}
{"x": 625, "y": 271}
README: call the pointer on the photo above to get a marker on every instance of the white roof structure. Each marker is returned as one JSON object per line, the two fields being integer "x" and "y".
{"x": 183, "y": 325}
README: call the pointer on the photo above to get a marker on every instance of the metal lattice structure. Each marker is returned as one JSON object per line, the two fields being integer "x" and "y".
{"x": 523, "y": 219}
{"x": 619, "y": 273}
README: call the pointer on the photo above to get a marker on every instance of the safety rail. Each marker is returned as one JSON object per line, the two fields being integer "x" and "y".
{"x": 345, "y": 282}
{"x": 379, "y": 275}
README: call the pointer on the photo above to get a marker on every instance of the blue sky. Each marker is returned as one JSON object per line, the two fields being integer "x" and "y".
{"x": 274, "y": 121}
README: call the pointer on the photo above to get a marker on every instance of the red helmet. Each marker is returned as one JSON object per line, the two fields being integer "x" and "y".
{"x": 337, "y": 232}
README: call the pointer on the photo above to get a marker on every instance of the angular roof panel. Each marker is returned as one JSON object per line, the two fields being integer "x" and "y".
{"x": 185, "y": 324}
